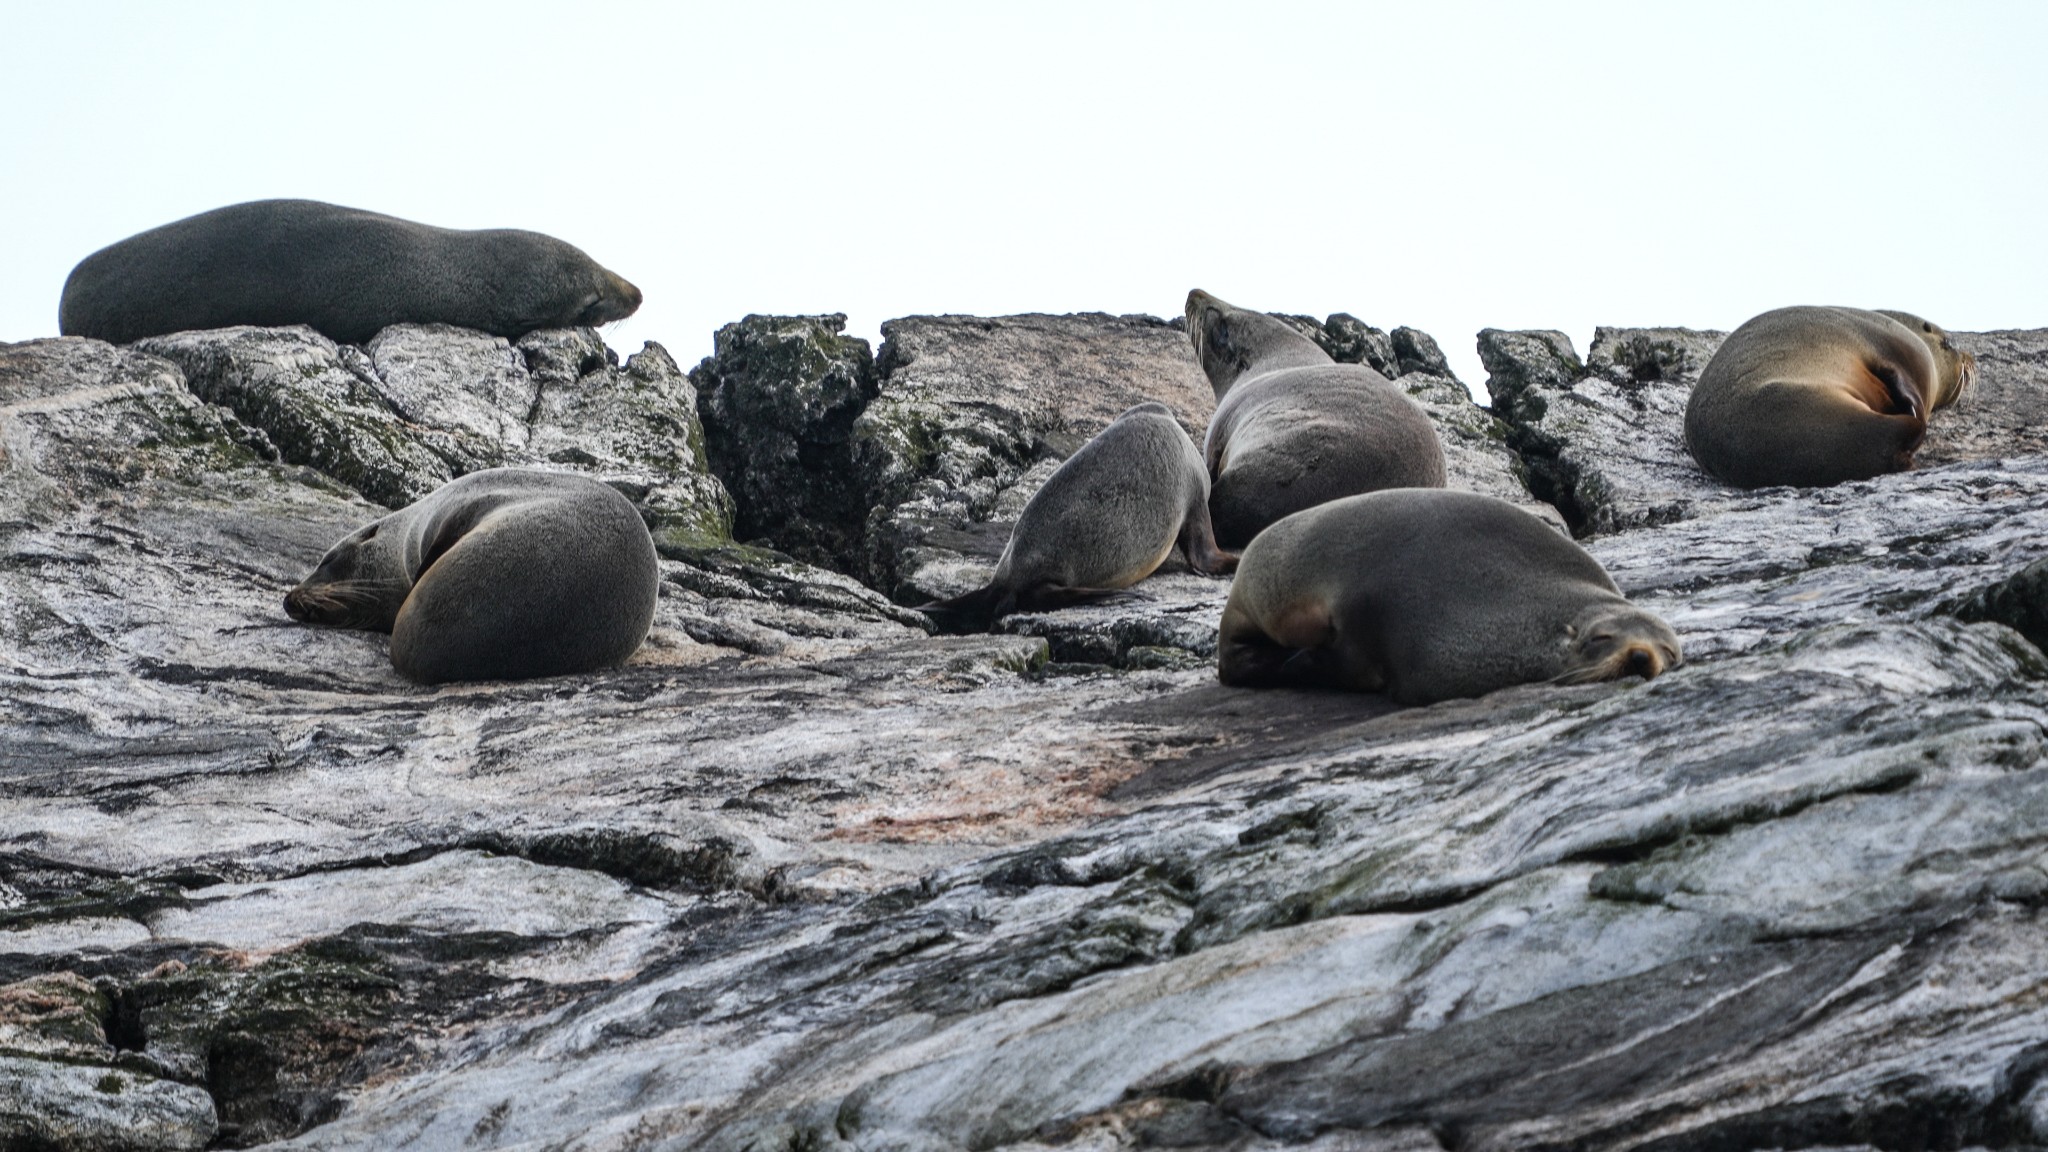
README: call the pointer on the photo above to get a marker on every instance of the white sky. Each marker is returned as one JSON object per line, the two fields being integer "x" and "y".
{"x": 1447, "y": 165}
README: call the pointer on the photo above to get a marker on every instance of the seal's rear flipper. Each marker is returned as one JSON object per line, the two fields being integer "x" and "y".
{"x": 974, "y": 611}
{"x": 1198, "y": 544}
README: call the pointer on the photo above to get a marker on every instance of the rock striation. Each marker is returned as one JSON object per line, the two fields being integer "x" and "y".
{"x": 801, "y": 875}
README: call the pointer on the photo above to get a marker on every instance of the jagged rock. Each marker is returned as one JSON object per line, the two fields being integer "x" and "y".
{"x": 423, "y": 404}
{"x": 779, "y": 396}
{"x": 800, "y": 875}
{"x": 2019, "y": 602}
{"x": 1417, "y": 351}
{"x": 1605, "y": 441}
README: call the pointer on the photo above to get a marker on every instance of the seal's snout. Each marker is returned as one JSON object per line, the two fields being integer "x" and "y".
{"x": 1641, "y": 660}
{"x": 295, "y": 606}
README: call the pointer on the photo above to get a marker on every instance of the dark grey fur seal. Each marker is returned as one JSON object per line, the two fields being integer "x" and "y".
{"x": 345, "y": 272}
{"x": 1813, "y": 396}
{"x": 1292, "y": 428}
{"x": 1429, "y": 595}
{"x": 1106, "y": 519}
{"x": 503, "y": 574}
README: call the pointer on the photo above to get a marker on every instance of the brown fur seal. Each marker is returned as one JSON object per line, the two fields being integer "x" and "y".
{"x": 503, "y": 574}
{"x": 1815, "y": 396}
{"x": 1292, "y": 428}
{"x": 1105, "y": 520}
{"x": 345, "y": 272}
{"x": 1429, "y": 595}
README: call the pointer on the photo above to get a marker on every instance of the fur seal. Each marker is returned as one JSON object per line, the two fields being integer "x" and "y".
{"x": 345, "y": 272}
{"x": 503, "y": 574}
{"x": 1293, "y": 428}
{"x": 1429, "y": 595}
{"x": 1814, "y": 396}
{"x": 1106, "y": 519}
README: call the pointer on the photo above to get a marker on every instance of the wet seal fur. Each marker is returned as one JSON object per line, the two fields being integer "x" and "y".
{"x": 345, "y": 272}
{"x": 1293, "y": 428}
{"x": 1813, "y": 396}
{"x": 1429, "y": 595}
{"x": 504, "y": 574}
{"x": 1106, "y": 519}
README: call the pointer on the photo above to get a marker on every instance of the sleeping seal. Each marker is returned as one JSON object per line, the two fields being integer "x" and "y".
{"x": 1429, "y": 595}
{"x": 1814, "y": 396}
{"x": 503, "y": 574}
{"x": 345, "y": 272}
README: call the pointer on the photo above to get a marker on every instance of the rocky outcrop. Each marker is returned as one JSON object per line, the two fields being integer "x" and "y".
{"x": 779, "y": 396}
{"x": 909, "y": 472}
{"x": 801, "y": 875}
{"x": 1604, "y": 440}
{"x": 422, "y": 404}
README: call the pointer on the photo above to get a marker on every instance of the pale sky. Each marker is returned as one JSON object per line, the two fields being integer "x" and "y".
{"x": 1450, "y": 166}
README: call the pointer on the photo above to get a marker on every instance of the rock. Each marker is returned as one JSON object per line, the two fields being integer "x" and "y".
{"x": 2019, "y": 601}
{"x": 1417, "y": 351}
{"x": 779, "y": 397}
{"x": 423, "y": 404}
{"x": 2006, "y": 413}
{"x": 90, "y": 1108}
{"x": 1604, "y": 441}
{"x": 968, "y": 405}
{"x": 1350, "y": 340}
{"x": 801, "y": 875}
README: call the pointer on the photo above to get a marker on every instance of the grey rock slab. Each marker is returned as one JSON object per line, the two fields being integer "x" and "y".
{"x": 467, "y": 382}
{"x": 448, "y": 893}
{"x": 91, "y": 1108}
{"x": 1909, "y": 545}
{"x": 1425, "y": 881}
{"x": 800, "y": 875}
{"x": 1165, "y": 614}
{"x": 2006, "y": 413}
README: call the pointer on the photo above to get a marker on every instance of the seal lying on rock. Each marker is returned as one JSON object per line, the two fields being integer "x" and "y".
{"x": 1815, "y": 396}
{"x": 1293, "y": 428}
{"x": 503, "y": 574}
{"x": 345, "y": 272}
{"x": 1106, "y": 519}
{"x": 1429, "y": 595}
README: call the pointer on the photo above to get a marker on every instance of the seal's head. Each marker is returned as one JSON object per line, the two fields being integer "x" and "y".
{"x": 1954, "y": 369}
{"x": 360, "y": 583}
{"x": 1608, "y": 641}
{"x": 550, "y": 283}
{"x": 1229, "y": 341}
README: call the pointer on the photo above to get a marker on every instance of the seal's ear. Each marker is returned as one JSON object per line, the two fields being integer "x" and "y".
{"x": 1571, "y": 631}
